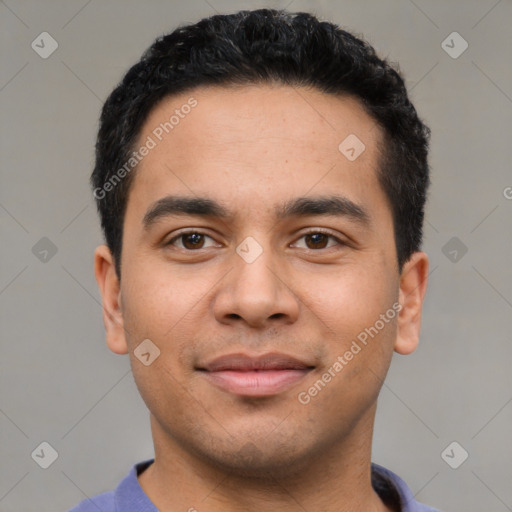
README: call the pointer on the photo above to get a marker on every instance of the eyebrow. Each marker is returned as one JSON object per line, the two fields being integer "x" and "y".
{"x": 333, "y": 205}
{"x": 179, "y": 205}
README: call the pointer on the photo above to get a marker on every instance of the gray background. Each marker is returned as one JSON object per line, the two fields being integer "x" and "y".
{"x": 60, "y": 383}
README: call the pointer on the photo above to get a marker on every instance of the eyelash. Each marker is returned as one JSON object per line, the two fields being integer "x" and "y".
{"x": 312, "y": 232}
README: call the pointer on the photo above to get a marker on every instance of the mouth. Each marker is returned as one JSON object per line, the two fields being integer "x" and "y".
{"x": 259, "y": 376}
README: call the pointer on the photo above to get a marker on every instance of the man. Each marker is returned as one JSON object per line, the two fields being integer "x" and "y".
{"x": 261, "y": 180}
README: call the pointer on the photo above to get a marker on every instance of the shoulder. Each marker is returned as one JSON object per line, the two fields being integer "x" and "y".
{"x": 391, "y": 487}
{"x": 127, "y": 497}
{"x": 104, "y": 502}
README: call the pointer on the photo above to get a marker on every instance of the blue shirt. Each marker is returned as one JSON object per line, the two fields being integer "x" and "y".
{"x": 129, "y": 496}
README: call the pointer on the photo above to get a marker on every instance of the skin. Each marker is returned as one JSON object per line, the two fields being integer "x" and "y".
{"x": 251, "y": 148}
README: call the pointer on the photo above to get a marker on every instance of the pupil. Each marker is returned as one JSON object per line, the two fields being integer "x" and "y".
{"x": 318, "y": 239}
{"x": 193, "y": 239}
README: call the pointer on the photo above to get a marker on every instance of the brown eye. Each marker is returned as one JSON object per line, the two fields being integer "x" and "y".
{"x": 190, "y": 241}
{"x": 193, "y": 240}
{"x": 317, "y": 240}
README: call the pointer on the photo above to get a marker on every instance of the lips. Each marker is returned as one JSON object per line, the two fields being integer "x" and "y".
{"x": 263, "y": 375}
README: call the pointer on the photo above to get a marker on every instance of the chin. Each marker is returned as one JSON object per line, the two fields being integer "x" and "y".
{"x": 265, "y": 462}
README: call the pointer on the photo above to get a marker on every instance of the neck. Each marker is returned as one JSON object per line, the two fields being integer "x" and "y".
{"x": 336, "y": 479}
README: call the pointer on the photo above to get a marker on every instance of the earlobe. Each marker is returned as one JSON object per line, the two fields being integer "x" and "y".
{"x": 108, "y": 283}
{"x": 413, "y": 285}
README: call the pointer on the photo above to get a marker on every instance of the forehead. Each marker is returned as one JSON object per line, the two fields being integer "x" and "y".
{"x": 255, "y": 145}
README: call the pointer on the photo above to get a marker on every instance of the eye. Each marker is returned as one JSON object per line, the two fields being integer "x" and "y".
{"x": 319, "y": 240}
{"x": 190, "y": 240}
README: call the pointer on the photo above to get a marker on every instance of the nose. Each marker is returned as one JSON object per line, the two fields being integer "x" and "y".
{"x": 257, "y": 294}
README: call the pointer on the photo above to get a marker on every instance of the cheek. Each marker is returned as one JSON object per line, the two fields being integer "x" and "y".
{"x": 349, "y": 300}
{"x": 351, "y": 304}
{"x": 167, "y": 309}
{"x": 158, "y": 302}
{"x": 162, "y": 390}
{"x": 161, "y": 311}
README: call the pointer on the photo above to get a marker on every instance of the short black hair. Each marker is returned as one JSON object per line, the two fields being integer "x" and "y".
{"x": 266, "y": 46}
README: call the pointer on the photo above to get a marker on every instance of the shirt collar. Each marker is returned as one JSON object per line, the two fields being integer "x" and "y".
{"x": 129, "y": 496}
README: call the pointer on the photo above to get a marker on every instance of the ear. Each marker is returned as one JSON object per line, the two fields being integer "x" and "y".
{"x": 413, "y": 285}
{"x": 110, "y": 289}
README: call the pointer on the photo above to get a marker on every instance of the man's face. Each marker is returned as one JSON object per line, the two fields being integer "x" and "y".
{"x": 282, "y": 273}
